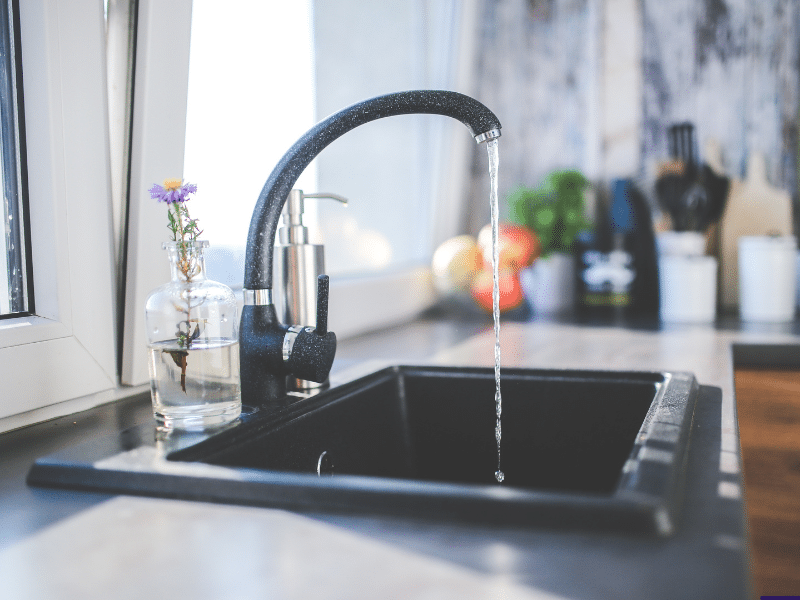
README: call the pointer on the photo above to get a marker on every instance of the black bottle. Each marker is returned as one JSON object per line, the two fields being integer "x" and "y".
{"x": 617, "y": 265}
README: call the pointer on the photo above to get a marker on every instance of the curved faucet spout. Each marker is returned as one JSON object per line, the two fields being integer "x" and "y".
{"x": 482, "y": 123}
{"x": 270, "y": 351}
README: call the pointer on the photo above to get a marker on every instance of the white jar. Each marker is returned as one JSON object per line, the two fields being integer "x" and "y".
{"x": 767, "y": 278}
{"x": 688, "y": 288}
{"x": 687, "y": 278}
{"x": 549, "y": 284}
{"x": 681, "y": 243}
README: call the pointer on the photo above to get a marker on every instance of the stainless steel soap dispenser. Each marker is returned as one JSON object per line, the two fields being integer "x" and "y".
{"x": 298, "y": 264}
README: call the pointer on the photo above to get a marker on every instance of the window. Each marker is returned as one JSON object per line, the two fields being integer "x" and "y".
{"x": 82, "y": 341}
{"x": 65, "y": 350}
{"x": 387, "y": 47}
{"x": 15, "y": 292}
{"x": 250, "y": 99}
{"x": 388, "y": 168}
{"x": 252, "y": 96}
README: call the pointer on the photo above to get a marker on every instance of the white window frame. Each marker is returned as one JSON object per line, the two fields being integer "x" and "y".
{"x": 67, "y": 350}
{"x": 161, "y": 83}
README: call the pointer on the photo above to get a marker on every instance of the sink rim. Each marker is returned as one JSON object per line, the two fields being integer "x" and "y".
{"x": 647, "y": 499}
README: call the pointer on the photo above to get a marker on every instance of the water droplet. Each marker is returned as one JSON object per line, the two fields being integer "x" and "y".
{"x": 499, "y": 475}
{"x": 155, "y": 329}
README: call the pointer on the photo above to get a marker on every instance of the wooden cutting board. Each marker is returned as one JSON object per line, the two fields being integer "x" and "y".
{"x": 753, "y": 207}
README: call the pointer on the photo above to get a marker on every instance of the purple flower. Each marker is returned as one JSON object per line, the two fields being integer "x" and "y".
{"x": 173, "y": 190}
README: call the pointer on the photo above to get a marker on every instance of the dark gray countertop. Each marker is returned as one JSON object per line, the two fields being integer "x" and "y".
{"x": 27, "y": 509}
{"x": 304, "y": 555}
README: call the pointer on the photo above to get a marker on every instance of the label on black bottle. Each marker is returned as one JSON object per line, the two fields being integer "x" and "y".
{"x": 607, "y": 278}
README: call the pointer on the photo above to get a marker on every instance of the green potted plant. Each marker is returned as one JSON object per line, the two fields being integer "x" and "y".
{"x": 555, "y": 211}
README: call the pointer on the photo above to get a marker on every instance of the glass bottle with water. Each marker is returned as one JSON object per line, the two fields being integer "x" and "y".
{"x": 193, "y": 345}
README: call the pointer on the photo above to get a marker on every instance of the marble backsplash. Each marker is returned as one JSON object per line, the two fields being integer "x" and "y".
{"x": 594, "y": 84}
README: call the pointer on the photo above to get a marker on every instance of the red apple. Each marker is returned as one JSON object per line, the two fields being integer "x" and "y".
{"x": 511, "y": 295}
{"x": 518, "y": 246}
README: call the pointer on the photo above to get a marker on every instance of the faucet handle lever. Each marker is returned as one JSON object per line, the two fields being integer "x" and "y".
{"x": 323, "y": 286}
{"x": 308, "y": 353}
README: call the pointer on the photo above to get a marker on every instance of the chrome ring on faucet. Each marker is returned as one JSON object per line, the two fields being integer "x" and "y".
{"x": 288, "y": 341}
{"x": 257, "y": 297}
{"x": 487, "y": 136}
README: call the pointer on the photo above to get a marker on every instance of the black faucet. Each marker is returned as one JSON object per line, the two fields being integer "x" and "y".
{"x": 269, "y": 350}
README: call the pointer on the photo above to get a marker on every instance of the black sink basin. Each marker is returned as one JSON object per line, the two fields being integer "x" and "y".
{"x": 579, "y": 449}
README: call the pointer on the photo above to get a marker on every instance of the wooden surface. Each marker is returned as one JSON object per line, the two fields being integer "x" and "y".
{"x": 768, "y": 403}
{"x": 753, "y": 207}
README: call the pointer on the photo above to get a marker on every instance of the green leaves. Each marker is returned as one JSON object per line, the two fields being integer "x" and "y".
{"x": 554, "y": 210}
{"x": 183, "y": 227}
{"x": 173, "y": 223}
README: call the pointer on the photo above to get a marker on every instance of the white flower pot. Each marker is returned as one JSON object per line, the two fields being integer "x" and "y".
{"x": 549, "y": 284}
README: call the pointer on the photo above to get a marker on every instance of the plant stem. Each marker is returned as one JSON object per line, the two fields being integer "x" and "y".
{"x": 178, "y": 210}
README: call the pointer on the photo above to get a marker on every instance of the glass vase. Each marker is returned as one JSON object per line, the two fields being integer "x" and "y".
{"x": 193, "y": 345}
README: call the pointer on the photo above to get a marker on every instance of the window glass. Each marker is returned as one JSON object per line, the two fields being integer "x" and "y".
{"x": 256, "y": 84}
{"x": 251, "y": 97}
{"x": 389, "y": 169}
{"x": 14, "y": 276}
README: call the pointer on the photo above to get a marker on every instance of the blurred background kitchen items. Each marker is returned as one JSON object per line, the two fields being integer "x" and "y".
{"x": 754, "y": 208}
{"x": 462, "y": 268}
{"x": 687, "y": 278}
{"x": 767, "y": 278}
{"x": 556, "y": 212}
{"x": 681, "y": 243}
{"x": 617, "y": 262}
{"x": 693, "y": 195}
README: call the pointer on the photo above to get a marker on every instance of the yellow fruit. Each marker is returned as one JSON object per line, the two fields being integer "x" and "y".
{"x": 455, "y": 263}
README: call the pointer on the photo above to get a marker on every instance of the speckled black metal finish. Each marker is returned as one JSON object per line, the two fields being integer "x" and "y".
{"x": 264, "y": 224}
{"x": 312, "y": 355}
{"x": 263, "y": 370}
{"x": 323, "y": 290}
